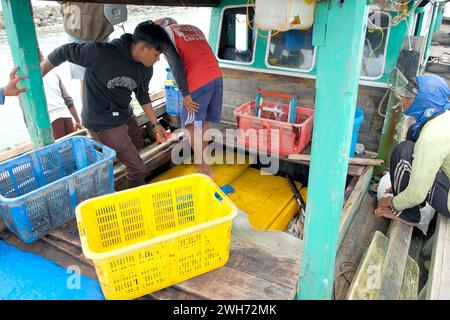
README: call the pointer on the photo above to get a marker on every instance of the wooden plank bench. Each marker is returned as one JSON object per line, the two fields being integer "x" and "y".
{"x": 379, "y": 279}
{"x": 438, "y": 286}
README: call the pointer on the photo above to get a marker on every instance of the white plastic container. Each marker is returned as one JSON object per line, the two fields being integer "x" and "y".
{"x": 284, "y": 14}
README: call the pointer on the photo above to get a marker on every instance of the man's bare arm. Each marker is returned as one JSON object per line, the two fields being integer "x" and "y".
{"x": 46, "y": 67}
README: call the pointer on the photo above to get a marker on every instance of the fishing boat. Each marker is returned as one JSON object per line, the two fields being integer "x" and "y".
{"x": 337, "y": 57}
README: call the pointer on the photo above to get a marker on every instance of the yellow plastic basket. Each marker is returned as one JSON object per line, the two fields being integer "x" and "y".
{"x": 148, "y": 238}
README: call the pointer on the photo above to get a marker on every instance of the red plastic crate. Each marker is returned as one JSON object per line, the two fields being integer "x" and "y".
{"x": 263, "y": 133}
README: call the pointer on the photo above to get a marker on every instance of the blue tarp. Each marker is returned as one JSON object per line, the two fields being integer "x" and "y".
{"x": 27, "y": 276}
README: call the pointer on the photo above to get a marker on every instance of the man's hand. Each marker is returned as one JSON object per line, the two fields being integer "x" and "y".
{"x": 385, "y": 202}
{"x": 78, "y": 126}
{"x": 11, "y": 88}
{"x": 387, "y": 213}
{"x": 189, "y": 104}
{"x": 384, "y": 212}
{"x": 159, "y": 130}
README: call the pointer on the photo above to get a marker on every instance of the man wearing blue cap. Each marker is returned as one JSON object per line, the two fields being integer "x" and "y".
{"x": 420, "y": 166}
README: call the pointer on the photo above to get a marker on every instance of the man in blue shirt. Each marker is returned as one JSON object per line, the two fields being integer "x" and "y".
{"x": 11, "y": 88}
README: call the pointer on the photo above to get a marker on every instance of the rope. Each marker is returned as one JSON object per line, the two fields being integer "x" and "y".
{"x": 401, "y": 16}
{"x": 372, "y": 52}
{"x": 392, "y": 87}
{"x": 346, "y": 270}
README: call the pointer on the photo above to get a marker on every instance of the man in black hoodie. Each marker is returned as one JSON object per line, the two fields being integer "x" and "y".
{"x": 113, "y": 71}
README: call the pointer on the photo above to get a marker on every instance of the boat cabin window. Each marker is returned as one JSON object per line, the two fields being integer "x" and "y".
{"x": 291, "y": 49}
{"x": 374, "y": 52}
{"x": 237, "y": 39}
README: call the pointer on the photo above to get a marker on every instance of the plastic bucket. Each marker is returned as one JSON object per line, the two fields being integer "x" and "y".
{"x": 359, "y": 117}
{"x": 169, "y": 74}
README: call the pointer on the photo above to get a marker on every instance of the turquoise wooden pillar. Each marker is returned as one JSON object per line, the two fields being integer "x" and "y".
{"x": 430, "y": 36}
{"x": 440, "y": 17}
{"x": 22, "y": 40}
{"x": 339, "y": 31}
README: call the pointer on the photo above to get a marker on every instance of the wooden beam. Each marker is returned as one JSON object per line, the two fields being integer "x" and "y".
{"x": 349, "y": 190}
{"x": 363, "y": 284}
{"x": 352, "y": 170}
{"x": 352, "y": 161}
{"x": 353, "y": 203}
{"x": 354, "y": 243}
{"x": 395, "y": 262}
{"x": 438, "y": 287}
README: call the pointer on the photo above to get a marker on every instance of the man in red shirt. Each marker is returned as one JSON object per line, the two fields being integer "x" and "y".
{"x": 199, "y": 80}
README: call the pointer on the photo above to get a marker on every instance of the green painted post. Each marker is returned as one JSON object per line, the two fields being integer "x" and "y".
{"x": 389, "y": 134}
{"x": 339, "y": 31}
{"x": 22, "y": 40}
{"x": 440, "y": 17}
{"x": 430, "y": 36}
{"x": 420, "y": 14}
{"x": 388, "y": 139}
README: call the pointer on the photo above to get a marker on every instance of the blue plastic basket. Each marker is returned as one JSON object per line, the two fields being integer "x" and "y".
{"x": 174, "y": 100}
{"x": 40, "y": 190}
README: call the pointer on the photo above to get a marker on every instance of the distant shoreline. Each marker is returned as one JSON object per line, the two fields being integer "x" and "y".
{"x": 49, "y": 18}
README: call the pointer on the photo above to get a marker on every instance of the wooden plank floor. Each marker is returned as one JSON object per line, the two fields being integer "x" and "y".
{"x": 252, "y": 272}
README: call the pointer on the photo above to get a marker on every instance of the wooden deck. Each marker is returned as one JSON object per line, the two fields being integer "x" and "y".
{"x": 257, "y": 268}
{"x": 252, "y": 272}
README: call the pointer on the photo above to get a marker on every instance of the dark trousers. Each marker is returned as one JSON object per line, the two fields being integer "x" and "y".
{"x": 401, "y": 164}
{"x": 126, "y": 140}
{"x": 62, "y": 127}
